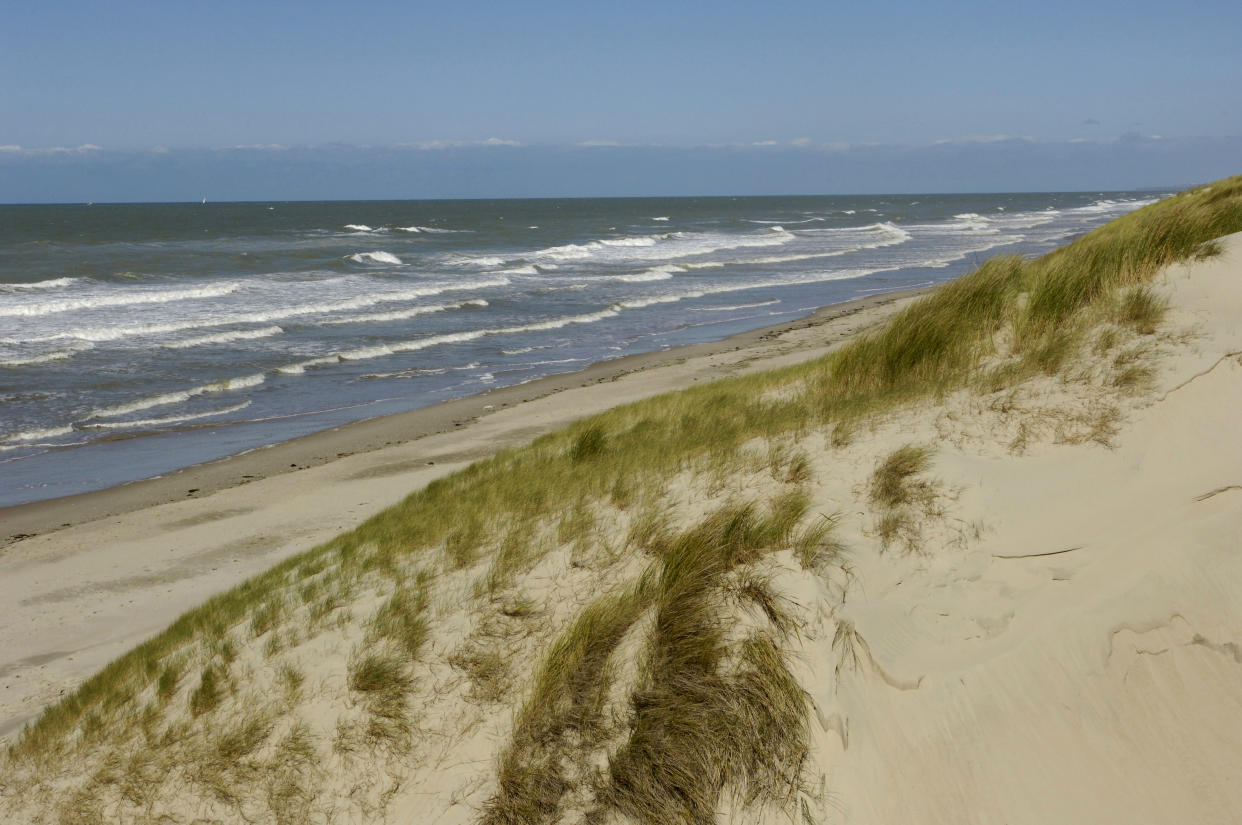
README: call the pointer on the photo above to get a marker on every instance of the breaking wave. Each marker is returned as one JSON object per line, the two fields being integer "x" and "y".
{"x": 177, "y": 397}
{"x": 379, "y": 256}
{"x": 127, "y": 298}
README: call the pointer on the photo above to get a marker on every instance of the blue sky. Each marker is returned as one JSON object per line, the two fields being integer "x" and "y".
{"x": 182, "y": 77}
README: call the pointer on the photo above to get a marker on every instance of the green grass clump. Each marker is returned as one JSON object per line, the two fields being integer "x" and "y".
{"x": 403, "y": 620}
{"x": 892, "y": 483}
{"x": 699, "y": 727}
{"x": 169, "y": 680}
{"x": 1142, "y": 310}
{"x": 561, "y": 716}
{"x": 376, "y": 672}
{"x": 589, "y": 444}
{"x": 206, "y": 697}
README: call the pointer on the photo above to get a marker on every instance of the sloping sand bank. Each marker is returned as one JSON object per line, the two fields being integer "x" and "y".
{"x": 1067, "y": 645}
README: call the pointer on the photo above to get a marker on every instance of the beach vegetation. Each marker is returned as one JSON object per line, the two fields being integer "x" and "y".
{"x": 893, "y": 483}
{"x": 1142, "y": 310}
{"x": 206, "y": 697}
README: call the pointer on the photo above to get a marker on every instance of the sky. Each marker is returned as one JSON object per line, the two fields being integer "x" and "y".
{"x": 240, "y": 95}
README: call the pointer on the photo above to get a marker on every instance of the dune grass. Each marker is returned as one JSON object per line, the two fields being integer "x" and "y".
{"x": 1014, "y": 316}
{"x": 698, "y": 727}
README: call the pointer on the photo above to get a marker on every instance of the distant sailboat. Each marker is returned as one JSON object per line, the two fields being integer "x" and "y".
{"x": 204, "y": 201}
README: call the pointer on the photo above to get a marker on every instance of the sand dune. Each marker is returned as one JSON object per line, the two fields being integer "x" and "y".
{"x": 1078, "y": 661}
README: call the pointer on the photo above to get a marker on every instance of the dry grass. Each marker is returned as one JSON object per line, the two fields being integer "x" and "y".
{"x": 1142, "y": 310}
{"x": 487, "y": 668}
{"x": 697, "y": 727}
{"x": 561, "y": 717}
{"x": 893, "y": 483}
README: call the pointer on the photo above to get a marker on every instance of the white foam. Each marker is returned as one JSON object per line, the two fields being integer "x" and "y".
{"x": 671, "y": 245}
{"x": 871, "y": 236}
{"x": 225, "y": 337}
{"x": 402, "y": 314}
{"x": 738, "y": 306}
{"x": 359, "y": 227}
{"x": 568, "y": 252}
{"x": 778, "y": 225}
{"x": 430, "y": 230}
{"x": 521, "y": 270}
{"x": 656, "y": 273}
{"x": 552, "y": 361}
{"x": 859, "y": 238}
{"x": 35, "y": 435}
{"x": 1108, "y": 205}
{"x": 172, "y": 419}
{"x": 99, "y": 334}
{"x": 1024, "y": 220}
{"x": 639, "y": 303}
{"x": 44, "y": 358}
{"x": 642, "y": 241}
{"x": 54, "y": 283}
{"x": 481, "y": 260}
{"x": 661, "y": 218}
{"x": 177, "y": 397}
{"x": 972, "y": 222}
{"x": 559, "y": 323}
{"x": 379, "y": 256}
{"x": 124, "y": 298}
{"x": 449, "y": 338}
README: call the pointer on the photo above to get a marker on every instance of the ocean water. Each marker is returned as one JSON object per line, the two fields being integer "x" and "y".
{"x": 137, "y": 339}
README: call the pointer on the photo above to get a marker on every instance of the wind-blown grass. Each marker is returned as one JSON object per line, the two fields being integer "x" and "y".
{"x": 698, "y": 727}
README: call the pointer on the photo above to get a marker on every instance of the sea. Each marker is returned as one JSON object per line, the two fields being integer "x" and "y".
{"x": 136, "y": 339}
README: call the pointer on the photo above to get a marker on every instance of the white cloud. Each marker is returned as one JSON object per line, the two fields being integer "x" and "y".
{"x": 984, "y": 139}
{"x": 455, "y": 144}
{"x": 250, "y": 147}
{"x": 51, "y": 150}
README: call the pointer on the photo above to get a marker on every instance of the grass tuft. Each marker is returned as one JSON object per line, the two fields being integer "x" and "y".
{"x": 206, "y": 697}
{"x": 402, "y": 620}
{"x": 589, "y": 444}
{"x": 892, "y": 483}
{"x": 1142, "y": 310}
{"x": 377, "y": 672}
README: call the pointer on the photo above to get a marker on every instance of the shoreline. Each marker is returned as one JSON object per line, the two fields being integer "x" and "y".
{"x": 94, "y": 574}
{"x": 24, "y": 521}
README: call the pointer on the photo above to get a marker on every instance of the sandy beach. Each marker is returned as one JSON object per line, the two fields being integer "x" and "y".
{"x": 89, "y": 576}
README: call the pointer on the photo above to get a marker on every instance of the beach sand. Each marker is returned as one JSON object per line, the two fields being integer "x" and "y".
{"x": 87, "y": 577}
